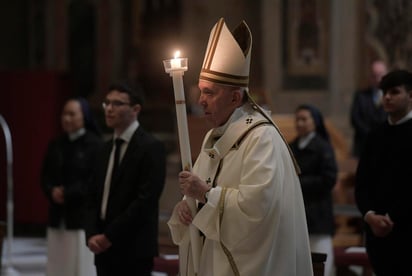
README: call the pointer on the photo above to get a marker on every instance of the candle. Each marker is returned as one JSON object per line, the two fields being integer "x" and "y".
{"x": 176, "y": 61}
{"x": 175, "y": 68}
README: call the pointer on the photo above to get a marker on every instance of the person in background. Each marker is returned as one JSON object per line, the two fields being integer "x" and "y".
{"x": 366, "y": 110}
{"x": 383, "y": 180}
{"x": 67, "y": 168}
{"x": 123, "y": 210}
{"x": 252, "y": 217}
{"x": 315, "y": 156}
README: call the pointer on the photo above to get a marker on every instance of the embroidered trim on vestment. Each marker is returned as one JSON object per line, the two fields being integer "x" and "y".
{"x": 227, "y": 252}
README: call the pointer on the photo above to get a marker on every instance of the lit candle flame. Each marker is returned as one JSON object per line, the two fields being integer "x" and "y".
{"x": 176, "y": 61}
{"x": 175, "y": 65}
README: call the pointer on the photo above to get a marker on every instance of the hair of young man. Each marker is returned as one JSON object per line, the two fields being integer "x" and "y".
{"x": 136, "y": 95}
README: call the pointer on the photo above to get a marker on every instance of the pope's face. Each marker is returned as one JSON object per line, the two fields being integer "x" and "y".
{"x": 218, "y": 102}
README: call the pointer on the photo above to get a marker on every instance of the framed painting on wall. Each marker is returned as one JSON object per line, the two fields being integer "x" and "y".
{"x": 305, "y": 44}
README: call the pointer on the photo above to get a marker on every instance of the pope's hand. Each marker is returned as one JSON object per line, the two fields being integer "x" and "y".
{"x": 183, "y": 211}
{"x": 192, "y": 186}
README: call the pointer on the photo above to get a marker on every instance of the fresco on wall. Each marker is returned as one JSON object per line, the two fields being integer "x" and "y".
{"x": 390, "y": 23}
{"x": 306, "y": 44}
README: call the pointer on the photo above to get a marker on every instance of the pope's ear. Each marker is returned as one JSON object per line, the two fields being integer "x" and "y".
{"x": 237, "y": 96}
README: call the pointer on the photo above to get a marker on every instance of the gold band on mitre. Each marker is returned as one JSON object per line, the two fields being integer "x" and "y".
{"x": 227, "y": 58}
{"x": 224, "y": 79}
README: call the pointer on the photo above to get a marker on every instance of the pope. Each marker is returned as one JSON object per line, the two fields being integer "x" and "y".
{"x": 251, "y": 219}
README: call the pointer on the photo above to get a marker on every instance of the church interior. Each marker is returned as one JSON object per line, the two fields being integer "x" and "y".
{"x": 304, "y": 51}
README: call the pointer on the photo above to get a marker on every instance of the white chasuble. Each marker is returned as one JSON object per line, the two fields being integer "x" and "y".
{"x": 254, "y": 222}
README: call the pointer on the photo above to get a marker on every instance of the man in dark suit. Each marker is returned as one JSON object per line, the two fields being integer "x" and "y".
{"x": 122, "y": 220}
{"x": 366, "y": 110}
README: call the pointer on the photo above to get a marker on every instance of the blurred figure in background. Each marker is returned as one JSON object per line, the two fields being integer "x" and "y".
{"x": 366, "y": 110}
{"x": 315, "y": 156}
{"x": 67, "y": 168}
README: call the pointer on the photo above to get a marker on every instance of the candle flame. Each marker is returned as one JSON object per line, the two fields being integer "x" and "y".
{"x": 177, "y": 54}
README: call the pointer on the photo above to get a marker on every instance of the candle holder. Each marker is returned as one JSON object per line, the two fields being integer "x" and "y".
{"x": 175, "y": 65}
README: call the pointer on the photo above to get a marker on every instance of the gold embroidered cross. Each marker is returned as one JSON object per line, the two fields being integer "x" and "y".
{"x": 208, "y": 180}
{"x": 249, "y": 120}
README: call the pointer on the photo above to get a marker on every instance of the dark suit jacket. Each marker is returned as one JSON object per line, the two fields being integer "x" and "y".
{"x": 383, "y": 180}
{"x": 131, "y": 222}
{"x": 365, "y": 115}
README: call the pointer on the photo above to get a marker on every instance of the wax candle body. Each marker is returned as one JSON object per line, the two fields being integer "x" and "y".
{"x": 176, "y": 63}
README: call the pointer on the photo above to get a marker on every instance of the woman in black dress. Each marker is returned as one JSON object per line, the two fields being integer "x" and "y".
{"x": 316, "y": 158}
{"x": 67, "y": 167}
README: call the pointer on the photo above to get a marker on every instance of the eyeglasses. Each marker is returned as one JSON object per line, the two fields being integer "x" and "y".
{"x": 115, "y": 104}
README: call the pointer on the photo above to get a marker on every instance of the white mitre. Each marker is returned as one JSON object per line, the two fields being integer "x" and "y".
{"x": 227, "y": 58}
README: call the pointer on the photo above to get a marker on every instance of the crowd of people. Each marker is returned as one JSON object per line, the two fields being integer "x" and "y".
{"x": 264, "y": 204}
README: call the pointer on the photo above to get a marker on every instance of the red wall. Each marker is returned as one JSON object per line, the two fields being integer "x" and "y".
{"x": 30, "y": 103}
